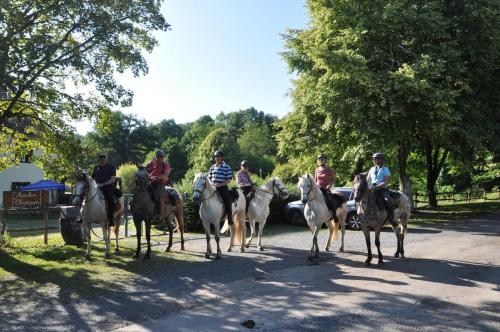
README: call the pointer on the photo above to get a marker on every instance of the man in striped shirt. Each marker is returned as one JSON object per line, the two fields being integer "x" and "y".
{"x": 220, "y": 175}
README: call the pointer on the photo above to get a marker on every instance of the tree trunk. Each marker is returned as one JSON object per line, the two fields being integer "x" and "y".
{"x": 434, "y": 166}
{"x": 404, "y": 179}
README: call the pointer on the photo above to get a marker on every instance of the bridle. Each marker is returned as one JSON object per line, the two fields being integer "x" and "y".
{"x": 280, "y": 190}
{"x": 203, "y": 190}
{"x": 85, "y": 191}
{"x": 307, "y": 194}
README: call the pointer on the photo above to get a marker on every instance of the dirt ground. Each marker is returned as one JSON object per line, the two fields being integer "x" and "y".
{"x": 450, "y": 281}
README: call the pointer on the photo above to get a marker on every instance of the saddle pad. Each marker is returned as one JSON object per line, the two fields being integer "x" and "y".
{"x": 394, "y": 193}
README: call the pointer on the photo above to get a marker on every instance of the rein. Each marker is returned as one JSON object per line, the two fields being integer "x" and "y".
{"x": 280, "y": 190}
{"x": 307, "y": 194}
{"x": 203, "y": 190}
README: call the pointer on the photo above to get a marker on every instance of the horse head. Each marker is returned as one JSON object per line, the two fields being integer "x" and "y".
{"x": 199, "y": 185}
{"x": 360, "y": 186}
{"x": 305, "y": 186}
{"x": 141, "y": 178}
{"x": 279, "y": 188}
{"x": 81, "y": 187}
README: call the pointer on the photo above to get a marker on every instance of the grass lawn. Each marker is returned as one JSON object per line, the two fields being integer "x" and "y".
{"x": 449, "y": 212}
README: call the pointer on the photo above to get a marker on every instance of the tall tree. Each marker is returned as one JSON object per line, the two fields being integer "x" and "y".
{"x": 46, "y": 47}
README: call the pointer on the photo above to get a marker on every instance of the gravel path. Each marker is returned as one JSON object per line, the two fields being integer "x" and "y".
{"x": 173, "y": 288}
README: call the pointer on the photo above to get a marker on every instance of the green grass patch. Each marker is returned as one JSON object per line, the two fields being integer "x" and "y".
{"x": 27, "y": 264}
{"x": 450, "y": 212}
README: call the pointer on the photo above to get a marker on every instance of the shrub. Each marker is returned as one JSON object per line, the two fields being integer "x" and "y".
{"x": 127, "y": 172}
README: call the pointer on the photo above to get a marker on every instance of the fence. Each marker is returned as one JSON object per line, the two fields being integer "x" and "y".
{"x": 455, "y": 197}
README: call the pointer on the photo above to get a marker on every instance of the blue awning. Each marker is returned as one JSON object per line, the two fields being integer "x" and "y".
{"x": 44, "y": 185}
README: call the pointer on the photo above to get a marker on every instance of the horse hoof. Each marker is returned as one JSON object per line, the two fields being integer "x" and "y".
{"x": 182, "y": 248}
{"x": 396, "y": 255}
{"x": 87, "y": 257}
{"x": 327, "y": 249}
{"x": 229, "y": 249}
{"x": 217, "y": 257}
{"x": 367, "y": 263}
{"x": 207, "y": 256}
{"x": 310, "y": 258}
{"x": 136, "y": 256}
{"x": 380, "y": 263}
{"x": 147, "y": 257}
{"x": 242, "y": 249}
{"x": 261, "y": 248}
{"x": 247, "y": 245}
{"x": 341, "y": 249}
{"x": 117, "y": 251}
{"x": 107, "y": 256}
{"x": 167, "y": 250}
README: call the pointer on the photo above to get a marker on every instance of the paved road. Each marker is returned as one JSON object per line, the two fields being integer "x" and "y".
{"x": 451, "y": 280}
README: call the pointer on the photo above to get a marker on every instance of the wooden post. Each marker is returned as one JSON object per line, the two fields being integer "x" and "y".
{"x": 126, "y": 215}
{"x": 46, "y": 224}
{"x": 3, "y": 223}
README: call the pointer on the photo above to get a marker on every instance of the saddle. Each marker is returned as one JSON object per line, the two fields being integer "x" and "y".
{"x": 172, "y": 196}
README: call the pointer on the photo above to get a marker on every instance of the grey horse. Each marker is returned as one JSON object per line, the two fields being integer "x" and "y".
{"x": 143, "y": 209}
{"x": 371, "y": 216}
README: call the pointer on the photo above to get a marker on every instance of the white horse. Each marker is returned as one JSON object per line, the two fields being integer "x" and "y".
{"x": 317, "y": 213}
{"x": 258, "y": 210}
{"x": 93, "y": 211}
{"x": 212, "y": 212}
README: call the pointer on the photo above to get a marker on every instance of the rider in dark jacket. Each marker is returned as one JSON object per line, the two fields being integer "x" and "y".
{"x": 104, "y": 175}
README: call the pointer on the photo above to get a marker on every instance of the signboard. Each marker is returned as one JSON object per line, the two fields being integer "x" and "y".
{"x": 25, "y": 199}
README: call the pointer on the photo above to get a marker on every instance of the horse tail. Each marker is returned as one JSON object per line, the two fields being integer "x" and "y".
{"x": 225, "y": 228}
{"x": 237, "y": 232}
{"x": 335, "y": 230}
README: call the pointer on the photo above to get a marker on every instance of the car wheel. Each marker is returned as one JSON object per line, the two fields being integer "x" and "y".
{"x": 296, "y": 218}
{"x": 353, "y": 221}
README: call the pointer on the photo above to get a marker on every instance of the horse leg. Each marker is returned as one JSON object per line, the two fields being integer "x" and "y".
{"x": 117, "y": 233}
{"x": 342, "y": 229}
{"x": 170, "y": 236}
{"x": 330, "y": 225}
{"x": 252, "y": 230}
{"x": 138, "y": 226}
{"x": 147, "y": 226}
{"x": 217, "y": 240}
{"x": 366, "y": 233}
{"x": 231, "y": 238}
{"x": 314, "y": 249}
{"x": 89, "y": 242}
{"x": 208, "y": 252}
{"x": 105, "y": 235}
{"x": 396, "y": 230}
{"x": 261, "y": 230}
{"x": 377, "y": 243}
{"x": 180, "y": 223}
{"x": 402, "y": 249}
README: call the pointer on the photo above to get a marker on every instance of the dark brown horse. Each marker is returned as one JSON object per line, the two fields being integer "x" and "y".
{"x": 143, "y": 208}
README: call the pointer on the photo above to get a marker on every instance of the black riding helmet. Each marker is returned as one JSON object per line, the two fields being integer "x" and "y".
{"x": 378, "y": 155}
{"x": 218, "y": 153}
{"x": 245, "y": 163}
{"x": 160, "y": 154}
{"x": 321, "y": 156}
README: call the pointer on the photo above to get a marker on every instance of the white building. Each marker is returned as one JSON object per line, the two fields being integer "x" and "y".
{"x": 17, "y": 176}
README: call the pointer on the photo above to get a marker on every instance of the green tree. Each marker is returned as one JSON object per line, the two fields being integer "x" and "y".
{"x": 127, "y": 174}
{"x": 46, "y": 47}
{"x": 217, "y": 139}
{"x": 386, "y": 75}
{"x": 257, "y": 145}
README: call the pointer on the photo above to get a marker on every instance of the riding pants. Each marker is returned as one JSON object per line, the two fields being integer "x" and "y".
{"x": 107, "y": 191}
{"x": 249, "y": 193}
{"x": 226, "y": 199}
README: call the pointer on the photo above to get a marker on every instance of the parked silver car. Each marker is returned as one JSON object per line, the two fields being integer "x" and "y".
{"x": 295, "y": 210}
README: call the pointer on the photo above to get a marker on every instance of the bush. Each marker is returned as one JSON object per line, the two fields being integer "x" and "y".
{"x": 287, "y": 173}
{"x": 127, "y": 172}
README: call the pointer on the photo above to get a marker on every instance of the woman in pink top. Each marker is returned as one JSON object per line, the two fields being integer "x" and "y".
{"x": 324, "y": 177}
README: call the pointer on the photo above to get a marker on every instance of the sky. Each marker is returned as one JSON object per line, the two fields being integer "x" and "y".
{"x": 219, "y": 56}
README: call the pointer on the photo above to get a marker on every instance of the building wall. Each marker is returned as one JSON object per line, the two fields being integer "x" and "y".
{"x": 23, "y": 172}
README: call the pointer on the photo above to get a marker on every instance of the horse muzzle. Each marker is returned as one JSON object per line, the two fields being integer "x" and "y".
{"x": 304, "y": 199}
{"x": 196, "y": 197}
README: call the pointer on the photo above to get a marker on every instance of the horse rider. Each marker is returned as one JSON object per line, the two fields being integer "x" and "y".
{"x": 324, "y": 177}
{"x": 104, "y": 175}
{"x": 378, "y": 180}
{"x": 159, "y": 170}
{"x": 244, "y": 181}
{"x": 220, "y": 175}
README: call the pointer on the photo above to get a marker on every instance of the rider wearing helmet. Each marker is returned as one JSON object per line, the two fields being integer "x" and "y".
{"x": 378, "y": 180}
{"x": 158, "y": 170}
{"x": 324, "y": 177}
{"x": 220, "y": 175}
{"x": 243, "y": 178}
{"x": 104, "y": 175}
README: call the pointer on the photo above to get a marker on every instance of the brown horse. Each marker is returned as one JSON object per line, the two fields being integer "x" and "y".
{"x": 143, "y": 208}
